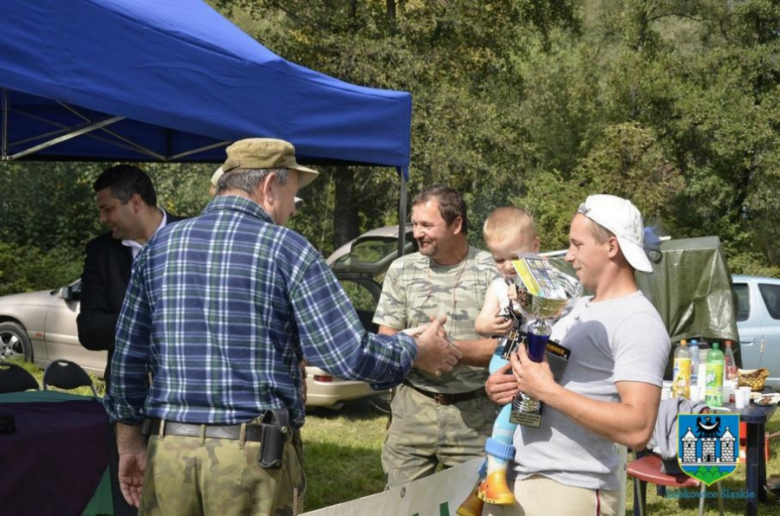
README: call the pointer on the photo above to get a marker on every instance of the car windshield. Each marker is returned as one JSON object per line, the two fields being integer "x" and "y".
{"x": 371, "y": 256}
{"x": 370, "y": 251}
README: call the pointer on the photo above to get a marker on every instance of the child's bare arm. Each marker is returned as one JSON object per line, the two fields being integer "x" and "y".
{"x": 489, "y": 322}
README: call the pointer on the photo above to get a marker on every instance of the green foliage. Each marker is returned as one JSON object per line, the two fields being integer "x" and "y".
{"x": 27, "y": 268}
{"x": 360, "y": 297}
{"x": 48, "y": 214}
{"x": 672, "y": 103}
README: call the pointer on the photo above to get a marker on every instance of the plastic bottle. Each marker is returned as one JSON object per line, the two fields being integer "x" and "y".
{"x": 714, "y": 393}
{"x": 730, "y": 371}
{"x": 695, "y": 361}
{"x": 681, "y": 381}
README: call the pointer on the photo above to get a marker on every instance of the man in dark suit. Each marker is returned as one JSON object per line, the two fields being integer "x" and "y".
{"x": 127, "y": 204}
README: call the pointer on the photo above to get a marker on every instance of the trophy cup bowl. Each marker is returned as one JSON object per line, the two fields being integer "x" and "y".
{"x": 543, "y": 308}
{"x": 538, "y": 310}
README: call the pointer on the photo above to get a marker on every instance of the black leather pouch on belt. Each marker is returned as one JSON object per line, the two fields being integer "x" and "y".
{"x": 276, "y": 431}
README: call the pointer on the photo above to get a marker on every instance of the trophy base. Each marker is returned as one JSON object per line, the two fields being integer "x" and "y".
{"x": 526, "y": 411}
{"x": 525, "y": 419}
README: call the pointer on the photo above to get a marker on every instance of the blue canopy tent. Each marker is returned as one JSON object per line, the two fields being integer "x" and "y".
{"x": 172, "y": 80}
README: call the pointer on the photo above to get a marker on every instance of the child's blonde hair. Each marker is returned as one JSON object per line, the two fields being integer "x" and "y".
{"x": 508, "y": 220}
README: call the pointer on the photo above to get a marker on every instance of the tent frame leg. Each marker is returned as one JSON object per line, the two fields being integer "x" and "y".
{"x": 403, "y": 174}
{"x": 4, "y": 107}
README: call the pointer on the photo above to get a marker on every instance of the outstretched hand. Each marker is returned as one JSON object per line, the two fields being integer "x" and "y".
{"x": 435, "y": 354}
{"x": 417, "y": 330}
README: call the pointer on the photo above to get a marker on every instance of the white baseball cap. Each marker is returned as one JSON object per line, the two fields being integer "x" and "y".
{"x": 623, "y": 219}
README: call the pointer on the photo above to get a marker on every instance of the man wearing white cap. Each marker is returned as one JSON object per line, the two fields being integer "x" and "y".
{"x": 611, "y": 388}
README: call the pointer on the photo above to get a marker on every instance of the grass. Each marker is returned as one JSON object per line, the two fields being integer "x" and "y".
{"x": 342, "y": 454}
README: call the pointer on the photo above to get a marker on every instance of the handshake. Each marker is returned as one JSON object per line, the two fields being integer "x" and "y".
{"x": 435, "y": 351}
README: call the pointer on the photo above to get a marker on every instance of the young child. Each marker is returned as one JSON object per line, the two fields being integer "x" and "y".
{"x": 508, "y": 231}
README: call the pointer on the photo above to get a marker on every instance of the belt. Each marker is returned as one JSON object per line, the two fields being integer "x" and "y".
{"x": 449, "y": 399}
{"x": 254, "y": 432}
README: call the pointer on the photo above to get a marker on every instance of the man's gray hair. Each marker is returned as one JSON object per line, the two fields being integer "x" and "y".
{"x": 248, "y": 179}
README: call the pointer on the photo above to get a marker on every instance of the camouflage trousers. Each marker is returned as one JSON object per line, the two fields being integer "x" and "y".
{"x": 424, "y": 435}
{"x": 191, "y": 475}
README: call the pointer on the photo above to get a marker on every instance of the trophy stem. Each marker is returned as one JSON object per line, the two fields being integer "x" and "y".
{"x": 538, "y": 335}
{"x": 527, "y": 411}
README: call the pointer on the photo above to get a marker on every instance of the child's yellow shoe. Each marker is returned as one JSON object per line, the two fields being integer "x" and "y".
{"x": 471, "y": 506}
{"x": 494, "y": 489}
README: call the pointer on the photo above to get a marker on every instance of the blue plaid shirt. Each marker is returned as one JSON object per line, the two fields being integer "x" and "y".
{"x": 221, "y": 309}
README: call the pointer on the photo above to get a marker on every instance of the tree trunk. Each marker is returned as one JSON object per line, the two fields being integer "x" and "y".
{"x": 346, "y": 223}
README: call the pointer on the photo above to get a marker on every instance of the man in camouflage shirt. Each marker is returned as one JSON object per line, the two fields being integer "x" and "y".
{"x": 445, "y": 418}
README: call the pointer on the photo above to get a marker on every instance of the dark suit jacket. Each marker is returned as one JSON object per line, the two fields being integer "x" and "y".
{"x": 107, "y": 269}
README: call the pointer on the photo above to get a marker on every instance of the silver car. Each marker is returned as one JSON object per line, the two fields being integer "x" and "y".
{"x": 41, "y": 326}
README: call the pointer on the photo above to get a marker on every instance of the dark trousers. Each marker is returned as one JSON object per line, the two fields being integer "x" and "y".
{"x": 121, "y": 507}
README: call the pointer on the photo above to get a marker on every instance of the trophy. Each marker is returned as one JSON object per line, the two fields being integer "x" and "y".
{"x": 544, "y": 293}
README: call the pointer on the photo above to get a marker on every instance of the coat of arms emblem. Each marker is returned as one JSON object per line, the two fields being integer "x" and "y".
{"x": 708, "y": 445}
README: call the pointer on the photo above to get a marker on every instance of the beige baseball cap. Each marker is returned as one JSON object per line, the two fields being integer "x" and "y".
{"x": 253, "y": 153}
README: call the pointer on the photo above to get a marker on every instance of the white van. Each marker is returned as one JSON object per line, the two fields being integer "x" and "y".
{"x": 758, "y": 323}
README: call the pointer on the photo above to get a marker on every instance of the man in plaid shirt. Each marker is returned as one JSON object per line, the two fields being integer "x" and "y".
{"x": 220, "y": 310}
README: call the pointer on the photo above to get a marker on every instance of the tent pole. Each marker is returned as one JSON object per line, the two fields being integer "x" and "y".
{"x": 199, "y": 149}
{"x": 138, "y": 147}
{"x": 64, "y": 129}
{"x": 4, "y": 142}
{"x": 74, "y": 134}
{"x": 404, "y": 175}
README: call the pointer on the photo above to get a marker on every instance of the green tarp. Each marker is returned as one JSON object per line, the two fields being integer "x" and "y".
{"x": 691, "y": 288}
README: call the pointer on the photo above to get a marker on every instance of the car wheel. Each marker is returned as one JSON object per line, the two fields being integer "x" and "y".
{"x": 14, "y": 342}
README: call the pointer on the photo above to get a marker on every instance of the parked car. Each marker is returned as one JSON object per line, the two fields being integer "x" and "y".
{"x": 758, "y": 323}
{"x": 360, "y": 266}
{"x": 41, "y": 326}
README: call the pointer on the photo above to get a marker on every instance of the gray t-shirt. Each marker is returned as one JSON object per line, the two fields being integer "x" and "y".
{"x": 611, "y": 341}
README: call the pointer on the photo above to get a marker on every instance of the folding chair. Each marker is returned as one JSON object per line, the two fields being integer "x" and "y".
{"x": 67, "y": 375}
{"x": 14, "y": 378}
{"x": 648, "y": 469}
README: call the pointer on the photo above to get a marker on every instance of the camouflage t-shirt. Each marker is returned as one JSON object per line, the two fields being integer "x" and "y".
{"x": 416, "y": 288}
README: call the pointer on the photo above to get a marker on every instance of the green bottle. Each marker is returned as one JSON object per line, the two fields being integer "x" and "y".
{"x": 714, "y": 392}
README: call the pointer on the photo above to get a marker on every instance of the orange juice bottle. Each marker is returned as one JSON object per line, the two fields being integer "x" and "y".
{"x": 681, "y": 381}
